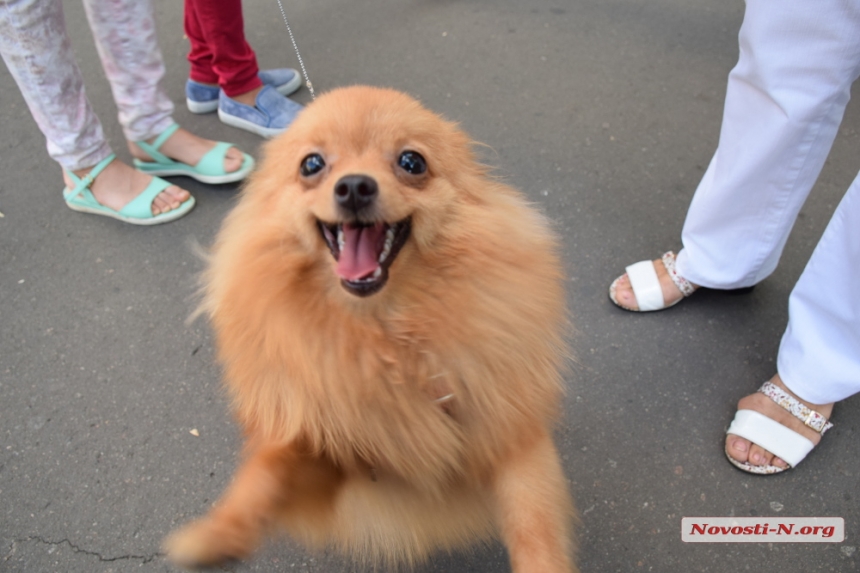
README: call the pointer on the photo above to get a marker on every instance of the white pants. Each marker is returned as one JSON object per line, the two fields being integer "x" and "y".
{"x": 784, "y": 103}
{"x": 36, "y": 48}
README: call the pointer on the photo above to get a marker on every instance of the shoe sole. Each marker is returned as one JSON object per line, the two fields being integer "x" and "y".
{"x": 201, "y": 106}
{"x": 231, "y": 177}
{"x": 208, "y": 179}
{"x": 212, "y": 105}
{"x": 267, "y": 132}
{"x": 171, "y": 215}
{"x": 755, "y": 470}
{"x": 289, "y": 87}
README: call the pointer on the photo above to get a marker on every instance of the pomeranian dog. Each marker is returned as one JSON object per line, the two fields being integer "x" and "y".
{"x": 391, "y": 323}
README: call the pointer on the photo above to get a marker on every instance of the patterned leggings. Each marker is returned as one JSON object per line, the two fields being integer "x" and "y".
{"x": 36, "y": 48}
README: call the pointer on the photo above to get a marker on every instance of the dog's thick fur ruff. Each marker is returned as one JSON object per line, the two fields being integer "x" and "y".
{"x": 353, "y": 439}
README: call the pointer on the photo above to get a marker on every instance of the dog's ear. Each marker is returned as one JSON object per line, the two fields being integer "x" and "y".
{"x": 454, "y": 156}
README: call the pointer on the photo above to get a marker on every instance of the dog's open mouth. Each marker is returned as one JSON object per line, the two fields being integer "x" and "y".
{"x": 364, "y": 252}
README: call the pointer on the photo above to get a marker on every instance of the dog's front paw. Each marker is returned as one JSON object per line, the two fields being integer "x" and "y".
{"x": 206, "y": 543}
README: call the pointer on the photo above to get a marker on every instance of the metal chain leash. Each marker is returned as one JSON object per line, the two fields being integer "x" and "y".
{"x": 296, "y": 48}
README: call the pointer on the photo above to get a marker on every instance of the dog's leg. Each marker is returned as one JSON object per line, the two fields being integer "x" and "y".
{"x": 534, "y": 510}
{"x": 266, "y": 484}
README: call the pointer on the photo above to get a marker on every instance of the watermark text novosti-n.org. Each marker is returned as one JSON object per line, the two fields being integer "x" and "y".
{"x": 763, "y": 529}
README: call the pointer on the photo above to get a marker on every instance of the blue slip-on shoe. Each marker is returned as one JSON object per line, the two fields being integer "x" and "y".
{"x": 137, "y": 212}
{"x": 284, "y": 80}
{"x": 201, "y": 98}
{"x": 271, "y": 116}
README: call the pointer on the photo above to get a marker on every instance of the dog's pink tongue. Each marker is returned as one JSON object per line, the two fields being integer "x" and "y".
{"x": 359, "y": 255}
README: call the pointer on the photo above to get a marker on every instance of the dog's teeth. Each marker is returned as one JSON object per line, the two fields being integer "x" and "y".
{"x": 377, "y": 273}
{"x": 389, "y": 240}
{"x": 340, "y": 240}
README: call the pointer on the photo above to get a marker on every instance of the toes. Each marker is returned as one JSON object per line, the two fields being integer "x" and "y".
{"x": 176, "y": 195}
{"x": 758, "y": 456}
{"x": 738, "y": 448}
{"x": 779, "y": 462}
{"x": 742, "y": 450}
{"x": 160, "y": 205}
{"x": 233, "y": 160}
{"x": 624, "y": 293}
{"x": 627, "y": 298}
{"x": 169, "y": 199}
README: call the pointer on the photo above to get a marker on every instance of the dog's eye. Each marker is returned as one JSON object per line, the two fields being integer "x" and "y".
{"x": 412, "y": 162}
{"x": 312, "y": 164}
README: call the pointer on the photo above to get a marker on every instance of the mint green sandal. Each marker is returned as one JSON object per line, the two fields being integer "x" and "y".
{"x": 210, "y": 168}
{"x": 137, "y": 212}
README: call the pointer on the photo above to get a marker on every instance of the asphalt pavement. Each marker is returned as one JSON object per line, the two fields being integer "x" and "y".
{"x": 113, "y": 425}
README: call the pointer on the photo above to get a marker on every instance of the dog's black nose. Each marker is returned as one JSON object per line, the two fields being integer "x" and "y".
{"x": 355, "y": 192}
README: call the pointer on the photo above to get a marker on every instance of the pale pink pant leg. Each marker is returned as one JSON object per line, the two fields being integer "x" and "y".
{"x": 36, "y": 49}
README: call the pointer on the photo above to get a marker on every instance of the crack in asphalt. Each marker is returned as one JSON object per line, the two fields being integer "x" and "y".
{"x": 143, "y": 558}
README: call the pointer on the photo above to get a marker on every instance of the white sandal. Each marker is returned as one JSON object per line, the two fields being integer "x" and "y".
{"x": 773, "y": 436}
{"x": 646, "y": 285}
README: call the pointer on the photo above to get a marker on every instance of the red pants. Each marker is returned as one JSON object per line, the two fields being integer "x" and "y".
{"x": 219, "y": 53}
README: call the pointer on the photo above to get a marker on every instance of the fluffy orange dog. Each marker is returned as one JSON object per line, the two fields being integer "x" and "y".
{"x": 390, "y": 320}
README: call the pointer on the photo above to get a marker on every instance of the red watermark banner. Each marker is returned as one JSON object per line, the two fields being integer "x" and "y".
{"x": 762, "y": 529}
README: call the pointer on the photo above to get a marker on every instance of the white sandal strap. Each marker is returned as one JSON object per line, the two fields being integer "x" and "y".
{"x": 809, "y": 417}
{"x": 646, "y": 286}
{"x": 771, "y": 435}
{"x": 683, "y": 284}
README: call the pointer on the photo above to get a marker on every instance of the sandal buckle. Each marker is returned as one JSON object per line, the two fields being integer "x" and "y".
{"x": 814, "y": 420}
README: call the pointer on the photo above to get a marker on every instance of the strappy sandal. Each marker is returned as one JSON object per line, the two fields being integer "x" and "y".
{"x": 137, "y": 212}
{"x": 210, "y": 168}
{"x": 646, "y": 285}
{"x": 773, "y": 436}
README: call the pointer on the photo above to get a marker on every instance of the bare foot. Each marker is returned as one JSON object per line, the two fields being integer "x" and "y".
{"x": 118, "y": 184}
{"x": 188, "y": 148}
{"x": 743, "y": 450}
{"x": 671, "y": 294}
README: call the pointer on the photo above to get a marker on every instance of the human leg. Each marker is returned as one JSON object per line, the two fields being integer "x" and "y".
{"x": 784, "y": 102}
{"x": 128, "y": 47}
{"x": 127, "y": 44}
{"x": 224, "y": 73}
{"x": 819, "y": 356}
{"x": 221, "y": 58}
{"x": 220, "y": 54}
{"x": 38, "y": 53}
{"x": 36, "y": 48}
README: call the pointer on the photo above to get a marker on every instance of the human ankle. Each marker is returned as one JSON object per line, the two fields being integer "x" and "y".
{"x": 823, "y": 409}
{"x": 248, "y": 98}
